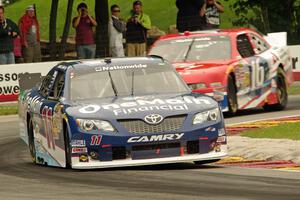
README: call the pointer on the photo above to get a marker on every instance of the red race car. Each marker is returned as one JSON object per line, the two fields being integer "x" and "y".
{"x": 239, "y": 67}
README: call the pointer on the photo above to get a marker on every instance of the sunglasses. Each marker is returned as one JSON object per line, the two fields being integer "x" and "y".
{"x": 116, "y": 10}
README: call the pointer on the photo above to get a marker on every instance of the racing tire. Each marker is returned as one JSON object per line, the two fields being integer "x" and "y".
{"x": 31, "y": 144}
{"x": 231, "y": 98}
{"x": 67, "y": 149}
{"x": 282, "y": 94}
{"x": 203, "y": 162}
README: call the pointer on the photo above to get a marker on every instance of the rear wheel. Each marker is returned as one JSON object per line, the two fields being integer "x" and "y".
{"x": 282, "y": 95}
{"x": 203, "y": 162}
{"x": 67, "y": 148}
{"x": 231, "y": 97}
{"x": 31, "y": 141}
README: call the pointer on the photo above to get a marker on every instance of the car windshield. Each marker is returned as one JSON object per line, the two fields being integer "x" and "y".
{"x": 206, "y": 48}
{"x": 103, "y": 82}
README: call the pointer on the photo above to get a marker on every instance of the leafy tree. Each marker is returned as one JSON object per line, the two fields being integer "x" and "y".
{"x": 269, "y": 15}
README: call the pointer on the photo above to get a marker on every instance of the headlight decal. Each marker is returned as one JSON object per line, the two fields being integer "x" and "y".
{"x": 98, "y": 125}
{"x": 206, "y": 116}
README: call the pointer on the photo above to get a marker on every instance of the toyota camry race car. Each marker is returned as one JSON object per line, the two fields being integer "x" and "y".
{"x": 119, "y": 112}
{"x": 238, "y": 67}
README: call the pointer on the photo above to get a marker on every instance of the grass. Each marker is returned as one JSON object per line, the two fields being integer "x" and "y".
{"x": 162, "y": 12}
{"x": 8, "y": 110}
{"x": 282, "y": 131}
{"x": 294, "y": 90}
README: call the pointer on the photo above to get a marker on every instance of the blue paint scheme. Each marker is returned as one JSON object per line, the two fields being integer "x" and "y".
{"x": 70, "y": 111}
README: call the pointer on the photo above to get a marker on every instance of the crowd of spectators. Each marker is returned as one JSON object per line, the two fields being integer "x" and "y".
{"x": 21, "y": 43}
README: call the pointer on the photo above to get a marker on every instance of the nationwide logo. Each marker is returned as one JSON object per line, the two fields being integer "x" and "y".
{"x": 153, "y": 119}
{"x": 156, "y": 138}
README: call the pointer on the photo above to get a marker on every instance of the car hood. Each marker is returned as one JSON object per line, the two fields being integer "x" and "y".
{"x": 205, "y": 72}
{"x": 137, "y": 107}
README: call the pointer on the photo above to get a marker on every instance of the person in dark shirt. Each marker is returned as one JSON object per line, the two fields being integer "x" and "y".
{"x": 211, "y": 9}
{"x": 8, "y": 31}
{"x": 136, "y": 35}
{"x": 84, "y": 24}
{"x": 188, "y": 17}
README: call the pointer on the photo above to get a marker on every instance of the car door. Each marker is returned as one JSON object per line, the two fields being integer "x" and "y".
{"x": 52, "y": 136}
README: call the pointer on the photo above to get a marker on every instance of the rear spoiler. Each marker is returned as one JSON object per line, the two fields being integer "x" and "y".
{"x": 29, "y": 80}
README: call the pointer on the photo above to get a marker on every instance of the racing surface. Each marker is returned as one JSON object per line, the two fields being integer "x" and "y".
{"x": 20, "y": 179}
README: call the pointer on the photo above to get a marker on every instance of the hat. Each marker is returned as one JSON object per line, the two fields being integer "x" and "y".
{"x": 30, "y": 8}
{"x": 137, "y": 3}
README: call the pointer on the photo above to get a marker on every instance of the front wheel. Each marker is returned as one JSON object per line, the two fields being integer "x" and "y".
{"x": 282, "y": 95}
{"x": 67, "y": 148}
{"x": 31, "y": 141}
{"x": 231, "y": 97}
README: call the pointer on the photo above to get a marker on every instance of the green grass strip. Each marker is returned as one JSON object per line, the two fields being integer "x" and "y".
{"x": 282, "y": 131}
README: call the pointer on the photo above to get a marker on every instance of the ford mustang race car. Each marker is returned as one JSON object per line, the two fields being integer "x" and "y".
{"x": 119, "y": 112}
{"x": 238, "y": 67}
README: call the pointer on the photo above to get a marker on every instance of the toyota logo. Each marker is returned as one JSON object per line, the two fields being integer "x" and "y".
{"x": 153, "y": 119}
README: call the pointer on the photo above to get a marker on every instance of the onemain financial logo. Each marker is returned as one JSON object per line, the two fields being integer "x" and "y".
{"x": 139, "y": 105}
{"x": 120, "y": 67}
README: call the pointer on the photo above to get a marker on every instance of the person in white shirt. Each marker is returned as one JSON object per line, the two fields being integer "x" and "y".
{"x": 116, "y": 28}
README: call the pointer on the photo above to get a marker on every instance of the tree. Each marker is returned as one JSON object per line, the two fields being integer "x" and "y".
{"x": 101, "y": 12}
{"x": 66, "y": 30}
{"x": 52, "y": 29}
{"x": 269, "y": 15}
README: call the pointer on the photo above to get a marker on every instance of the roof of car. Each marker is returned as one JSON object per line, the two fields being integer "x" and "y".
{"x": 82, "y": 64}
{"x": 207, "y": 33}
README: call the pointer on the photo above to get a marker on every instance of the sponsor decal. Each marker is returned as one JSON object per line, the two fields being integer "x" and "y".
{"x": 156, "y": 138}
{"x": 83, "y": 158}
{"x": 141, "y": 105}
{"x": 120, "y": 67}
{"x": 153, "y": 119}
{"x": 96, "y": 140}
{"x": 78, "y": 143}
{"x": 221, "y": 132}
{"x": 79, "y": 150}
{"x": 210, "y": 129}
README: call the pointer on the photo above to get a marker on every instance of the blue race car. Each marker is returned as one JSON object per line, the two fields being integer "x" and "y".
{"x": 119, "y": 112}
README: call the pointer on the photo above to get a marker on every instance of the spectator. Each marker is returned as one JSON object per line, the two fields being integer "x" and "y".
{"x": 30, "y": 36}
{"x": 188, "y": 17}
{"x": 211, "y": 9}
{"x": 84, "y": 24}
{"x": 136, "y": 35}
{"x": 116, "y": 28}
{"x": 8, "y": 31}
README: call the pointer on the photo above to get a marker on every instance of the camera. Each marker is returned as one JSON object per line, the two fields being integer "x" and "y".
{"x": 82, "y": 9}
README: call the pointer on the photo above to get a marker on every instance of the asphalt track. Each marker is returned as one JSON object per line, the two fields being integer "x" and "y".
{"x": 20, "y": 179}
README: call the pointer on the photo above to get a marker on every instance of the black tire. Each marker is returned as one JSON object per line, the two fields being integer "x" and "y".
{"x": 203, "y": 162}
{"x": 31, "y": 140}
{"x": 282, "y": 95}
{"x": 231, "y": 97}
{"x": 67, "y": 148}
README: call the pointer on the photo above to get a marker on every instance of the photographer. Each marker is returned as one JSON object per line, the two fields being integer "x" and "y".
{"x": 8, "y": 31}
{"x": 84, "y": 24}
{"x": 136, "y": 35}
{"x": 211, "y": 9}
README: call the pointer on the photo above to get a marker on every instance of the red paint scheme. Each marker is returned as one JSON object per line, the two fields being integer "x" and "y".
{"x": 213, "y": 71}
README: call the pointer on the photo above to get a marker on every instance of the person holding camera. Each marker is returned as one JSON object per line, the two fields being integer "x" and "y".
{"x": 30, "y": 36}
{"x": 8, "y": 31}
{"x": 84, "y": 24}
{"x": 136, "y": 35}
{"x": 116, "y": 28}
{"x": 211, "y": 9}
